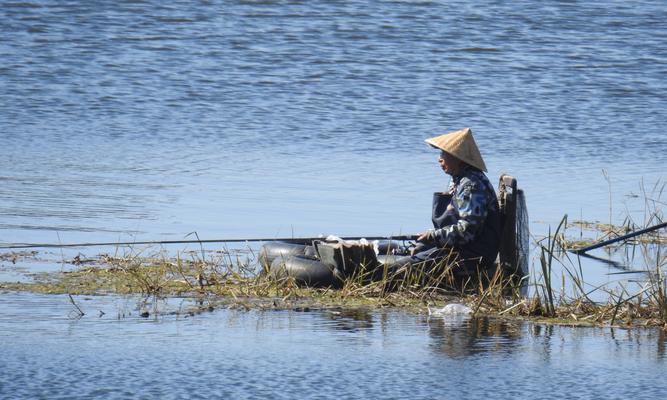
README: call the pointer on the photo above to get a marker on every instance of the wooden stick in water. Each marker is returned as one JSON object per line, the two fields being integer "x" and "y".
{"x": 618, "y": 239}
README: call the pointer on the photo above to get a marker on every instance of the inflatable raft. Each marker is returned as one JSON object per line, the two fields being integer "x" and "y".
{"x": 326, "y": 262}
{"x": 329, "y": 262}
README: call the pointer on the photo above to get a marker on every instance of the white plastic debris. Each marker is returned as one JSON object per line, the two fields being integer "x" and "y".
{"x": 338, "y": 239}
{"x": 450, "y": 309}
{"x": 376, "y": 247}
{"x": 333, "y": 238}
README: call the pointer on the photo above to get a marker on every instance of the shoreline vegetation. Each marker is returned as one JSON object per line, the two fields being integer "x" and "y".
{"x": 233, "y": 279}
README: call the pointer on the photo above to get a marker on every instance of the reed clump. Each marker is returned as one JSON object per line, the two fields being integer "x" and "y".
{"x": 636, "y": 302}
{"x": 223, "y": 275}
{"x": 652, "y": 215}
{"x": 235, "y": 279}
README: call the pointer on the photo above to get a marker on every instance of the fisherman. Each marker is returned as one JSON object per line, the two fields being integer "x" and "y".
{"x": 464, "y": 240}
{"x": 466, "y": 218}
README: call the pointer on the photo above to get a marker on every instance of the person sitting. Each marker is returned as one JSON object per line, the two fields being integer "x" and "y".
{"x": 466, "y": 218}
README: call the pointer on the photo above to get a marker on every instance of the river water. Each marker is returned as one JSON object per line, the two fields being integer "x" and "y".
{"x": 146, "y": 120}
{"x": 317, "y": 354}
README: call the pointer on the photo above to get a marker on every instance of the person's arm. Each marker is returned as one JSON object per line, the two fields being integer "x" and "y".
{"x": 472, "y": 205}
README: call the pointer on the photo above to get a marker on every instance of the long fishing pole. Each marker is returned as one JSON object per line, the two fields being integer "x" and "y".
{"x": 230, "y": 240}
{"x": 618, "y": 239}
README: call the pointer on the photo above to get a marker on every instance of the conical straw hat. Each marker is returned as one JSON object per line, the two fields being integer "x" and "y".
{"x": 461, "y": 145}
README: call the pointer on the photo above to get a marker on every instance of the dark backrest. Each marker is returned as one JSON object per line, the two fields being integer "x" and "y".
{"x": 507, "y": 192}
{"x": 347, "y": 257}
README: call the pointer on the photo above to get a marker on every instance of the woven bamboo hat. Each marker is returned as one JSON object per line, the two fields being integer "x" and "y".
{"x": 461, "y": 145}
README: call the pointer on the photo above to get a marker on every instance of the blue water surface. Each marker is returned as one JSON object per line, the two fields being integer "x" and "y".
{"x": 256, "y": 118}
{"x": 149, "y": 120}
{"x": 313, "y": 354}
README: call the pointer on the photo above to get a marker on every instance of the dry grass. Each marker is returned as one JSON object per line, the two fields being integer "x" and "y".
{"x": 646, "y": 305}
{"x": 235, "y": 279}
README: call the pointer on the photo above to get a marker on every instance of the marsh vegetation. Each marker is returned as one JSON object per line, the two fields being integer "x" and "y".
{"x": 556, "y": 290}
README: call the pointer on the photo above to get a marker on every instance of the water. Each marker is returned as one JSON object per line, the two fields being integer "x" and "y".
{"x": 139, "y": 120}
{"x": 252, "y": 118}
{"x": 318, "y": 354}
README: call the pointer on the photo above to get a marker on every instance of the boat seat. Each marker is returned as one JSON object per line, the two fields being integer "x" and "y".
{"x": 509, "y": 257}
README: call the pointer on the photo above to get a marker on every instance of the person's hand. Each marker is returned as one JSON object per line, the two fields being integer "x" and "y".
{"x": 426, "y": 237}
{"x": 418, "y": 247}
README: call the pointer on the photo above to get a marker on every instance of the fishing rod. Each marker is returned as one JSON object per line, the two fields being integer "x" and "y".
{"x": 618, "y": 239}
{"x": 230, "y": 240}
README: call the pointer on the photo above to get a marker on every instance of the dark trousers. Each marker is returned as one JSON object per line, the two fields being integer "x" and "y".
{"x": 435, "y": 266}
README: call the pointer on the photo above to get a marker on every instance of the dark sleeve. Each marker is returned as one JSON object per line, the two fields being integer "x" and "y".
{"x": 472, "y": 204}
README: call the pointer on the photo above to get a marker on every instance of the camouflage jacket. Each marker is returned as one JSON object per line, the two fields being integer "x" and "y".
{"x": 473, "y": 199}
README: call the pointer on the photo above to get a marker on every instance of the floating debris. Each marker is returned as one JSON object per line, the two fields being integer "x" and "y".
{"x": 450, "y": 309}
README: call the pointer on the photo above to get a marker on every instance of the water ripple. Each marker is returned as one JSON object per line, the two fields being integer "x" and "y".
{"x": 133, "y": 106}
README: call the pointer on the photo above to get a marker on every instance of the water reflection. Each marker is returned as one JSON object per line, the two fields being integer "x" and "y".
{"x": 624, "y": 268}
{"x": 349, "y": 320}
{"x": 314, "y": 353}
{"x": 134, "y": 139}
{"x": 631, "y": 257}
{"x": 662, "y": 344}
{"x": 464, "y": 336}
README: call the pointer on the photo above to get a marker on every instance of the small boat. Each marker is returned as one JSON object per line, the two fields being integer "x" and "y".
{"x": 329, "y": 262}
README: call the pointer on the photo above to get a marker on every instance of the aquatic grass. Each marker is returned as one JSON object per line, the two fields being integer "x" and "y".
{"x": 14, "y": 256}
{"x": 646, "y": 304}
{"x": 658, "y": 281}
{"x": 652, "y": 215}
{"x": 218, "y": 278}
{"x": 497, "y": 291}
{"x": 76, "y": 313}
{"x": 544, "y": 286}
{"x": 150, "y": 279}
{"x": 423, "y": 280}
{"x": 233, "y": 278}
